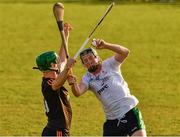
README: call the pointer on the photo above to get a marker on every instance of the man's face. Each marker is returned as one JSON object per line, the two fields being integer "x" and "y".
{"x": 90, "y": 62}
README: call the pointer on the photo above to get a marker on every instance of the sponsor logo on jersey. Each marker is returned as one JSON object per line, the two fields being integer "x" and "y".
{"x": 102, "y": 89}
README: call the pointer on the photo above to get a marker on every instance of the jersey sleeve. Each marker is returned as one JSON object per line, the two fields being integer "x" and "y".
{"x": 85, "y": 80}
{"x": 112, "y": 63}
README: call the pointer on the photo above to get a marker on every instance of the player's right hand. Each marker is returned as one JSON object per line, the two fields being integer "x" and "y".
{"x": 71, "y": 79}
{"x": 70, "y": 63}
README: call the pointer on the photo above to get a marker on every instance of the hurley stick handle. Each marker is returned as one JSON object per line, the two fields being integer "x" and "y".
{"x": 58, "y": 10}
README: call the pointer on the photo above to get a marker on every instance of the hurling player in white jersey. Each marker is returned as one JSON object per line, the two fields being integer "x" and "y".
{"x": 105, "y": 80}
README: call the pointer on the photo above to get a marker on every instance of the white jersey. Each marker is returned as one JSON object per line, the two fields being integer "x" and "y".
{"x": 111, "y": 89}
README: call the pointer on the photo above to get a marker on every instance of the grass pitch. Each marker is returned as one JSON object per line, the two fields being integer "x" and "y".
{"x": 151, "y": 32}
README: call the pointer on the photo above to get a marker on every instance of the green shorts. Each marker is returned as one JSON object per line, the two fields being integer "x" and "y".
{"x": 127, "y": 125}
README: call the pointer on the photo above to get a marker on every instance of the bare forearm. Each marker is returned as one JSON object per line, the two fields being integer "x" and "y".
{"x": 60, "y": 80}
{"x": 117, "y": 49}
{"x": 62, "y": 53}
{"x": 76, "y": 89}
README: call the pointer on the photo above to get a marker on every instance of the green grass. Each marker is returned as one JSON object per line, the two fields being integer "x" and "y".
{"x": 152, "y": 71}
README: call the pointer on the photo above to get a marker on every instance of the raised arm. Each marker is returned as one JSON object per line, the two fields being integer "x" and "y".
{"x": 63, "y": 64}
{"x": 120, "y": 52}
{"x": 62, "y": 54}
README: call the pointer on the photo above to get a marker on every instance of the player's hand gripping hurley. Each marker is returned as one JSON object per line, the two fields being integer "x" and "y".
{"x": 58, "y": 11}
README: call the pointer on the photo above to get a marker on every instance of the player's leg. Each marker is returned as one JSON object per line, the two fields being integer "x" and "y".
{"x": 112, "y": 128}
{"x": 136, "y": 123}
{"x": 52, "y": 132}
{"x": 48, "y": 132}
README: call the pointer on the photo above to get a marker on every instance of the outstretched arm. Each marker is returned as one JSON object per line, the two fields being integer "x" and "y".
{"x": 60, "y": 80}
{"x": 121, "y": 52}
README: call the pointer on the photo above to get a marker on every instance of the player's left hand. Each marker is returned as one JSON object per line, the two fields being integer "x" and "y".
{"x": 67, "y": 27}
{"x": 100, "y": 44}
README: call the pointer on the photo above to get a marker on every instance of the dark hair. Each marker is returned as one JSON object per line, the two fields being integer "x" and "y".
{"x": 86, "y": 51}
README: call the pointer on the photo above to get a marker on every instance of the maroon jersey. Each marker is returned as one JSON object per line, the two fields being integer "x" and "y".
{"x": 57, "y": 106}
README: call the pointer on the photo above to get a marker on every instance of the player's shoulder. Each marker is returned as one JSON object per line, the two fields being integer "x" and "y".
{"x": 87, "y": 76}
{"x": 111, "y": 63}
{"x": 109, "y": 60}
{"x": 46, "y": 87}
